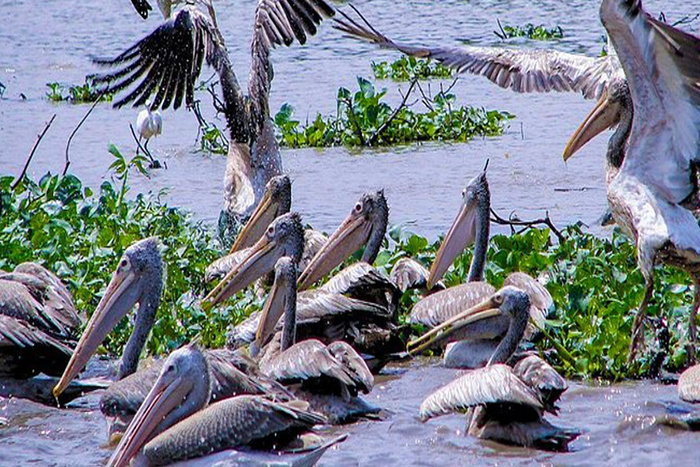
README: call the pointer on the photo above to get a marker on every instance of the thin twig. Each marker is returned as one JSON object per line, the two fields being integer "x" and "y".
{"x": 31, "y": 154}
{"x": 388, "y": 121}
{"x": 515, "y": 222}
{"x": 138, "y": 142}
{"x": 353, "y": 119}
{"x": 503, "y": 36}
{"x": 75, "y": 130}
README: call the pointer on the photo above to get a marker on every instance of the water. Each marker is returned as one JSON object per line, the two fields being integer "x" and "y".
{"x": 52, "y": 41}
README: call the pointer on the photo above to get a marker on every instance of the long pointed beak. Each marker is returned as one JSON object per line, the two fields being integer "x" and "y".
{"x": 348, "y": 238}
{"x": 271, "y": 313}
{"x": 461, "y": 234}
{"x": 121, "y": 295}
{"x": 486, "y": 309}
{"x": 259, "y": 261}
{"x": 603, "y": 116}
{"x": 264, "y": 214}
{"x": 163, "y": 398}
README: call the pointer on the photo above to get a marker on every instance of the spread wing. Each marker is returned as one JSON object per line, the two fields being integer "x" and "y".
{"x": 662, "y": 65}
{"x": 522, "y": 70}
{"x": 142, "y": 7}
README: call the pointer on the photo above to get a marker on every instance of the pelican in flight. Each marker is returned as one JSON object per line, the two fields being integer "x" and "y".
{"x": 505, "y": 404}
{"x": 472, "y": 226}
{"x": 652, "y": 157}
{"x": 175, "y": 422}
{"x": 138, "y": 279}
{"x": 167, "y": 63}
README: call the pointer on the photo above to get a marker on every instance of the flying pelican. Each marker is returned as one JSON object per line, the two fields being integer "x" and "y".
{"x": 330, "y": 375}
{"x": 171, "y": 59}
{"x": 472, "y": 226}
{"x": 652, "y": 157}
{"x": 175, "y": 422}
{"x": 139, "y": 279}
{"x": 166, "y": 7}
{"x": 506, "y": 403}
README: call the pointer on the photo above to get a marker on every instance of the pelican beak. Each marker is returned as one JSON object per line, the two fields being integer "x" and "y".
{"x": 166, "y": 394}
{"x": 271, "y": 313}
{"x": 122, "y": 293}
{"x": 486, "y": 309}
{"x": 460, "y": 236}
{"x": 264, "y": 214}
{"x": 348, "y": 238}
{"x": 259, "y": 261}
{"x": 604, "y": 116}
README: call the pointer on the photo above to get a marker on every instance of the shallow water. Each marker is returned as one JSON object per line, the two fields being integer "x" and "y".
{"x": 422, "y": 182}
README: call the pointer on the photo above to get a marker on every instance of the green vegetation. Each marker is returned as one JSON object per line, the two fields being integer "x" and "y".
{"x": 538, "y": 33}
{"x": 410, "y": 68}
{"x": 364, "y": 119}
{"x": 76, "y": 93}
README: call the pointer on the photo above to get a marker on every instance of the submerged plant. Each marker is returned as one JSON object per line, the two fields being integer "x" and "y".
{"x": 76, "y": 93}
{"x": 538, "y": 33}
{"x": 363, "y": 118}
{"x": 410, "y": 68}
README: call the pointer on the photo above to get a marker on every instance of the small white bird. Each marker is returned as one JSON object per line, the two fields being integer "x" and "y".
{"x": 148, "y": 125}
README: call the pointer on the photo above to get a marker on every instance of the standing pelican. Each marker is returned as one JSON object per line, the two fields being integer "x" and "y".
{"x": 139, "y": 279}
{"x": 652, "y": 157}
{"x": 38, "y": 322}
{"x": 175, "y": 424}
{"x": 171, "y": 59}
{"x": 472, "y": 226}
{"x": 506, "y": 404}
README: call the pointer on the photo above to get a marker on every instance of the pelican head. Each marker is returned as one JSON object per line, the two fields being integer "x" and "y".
{"x": 276, "y": 201}
{"x": 365, "y": 225}
{"x": 509, "y": 301}
{"x": 182, "y": 388}
{"x": 138, "y": 279}
{"x": 607, "y": 114}
{"x": 473, "y": 216}
{"x": 284, "y": 237}
{"x": 282, "y": 298}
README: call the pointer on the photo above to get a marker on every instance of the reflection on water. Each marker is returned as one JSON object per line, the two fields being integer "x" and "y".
{"x": 52, "y": 42}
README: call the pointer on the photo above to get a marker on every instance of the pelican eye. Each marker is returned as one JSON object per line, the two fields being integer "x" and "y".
{"x": 358, "y": 207}
{"x": 498, "y": 300}
{"x": 124, "y": 263}
{"x": 271, "y": 230}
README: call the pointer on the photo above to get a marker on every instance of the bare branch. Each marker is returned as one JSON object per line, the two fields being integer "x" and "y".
{"x": 388, "y": 121}
{"x": 31, "y": 154}
{"x": 513, "y": 222}
{"x": 353, "y": 119}
{"x": 75, "y": 130}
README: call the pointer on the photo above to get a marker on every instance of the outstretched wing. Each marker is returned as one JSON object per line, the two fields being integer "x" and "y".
{"x": 143, "y": 7}
{"x": 278, "y": 22}
{"x": 662, "y": 65}
{"x": 164, "y": 64}
{"x": 521, "y": 70}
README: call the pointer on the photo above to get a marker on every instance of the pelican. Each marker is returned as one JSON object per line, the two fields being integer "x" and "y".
{"x": 472, "y": 226}
{"x": 171, "y": 58}
{"x": 330, "y": 375}
{"x": 652, "y": 156}
{"x": 176, "y": 424}
{"x": 408, "y": 273}
{"x": 166, "y": 7}
{"x": 139, "y": 279}
{"x": 321, "y": 313}
{"x": 38, "y": 322}
{"x": 506, "y": 403}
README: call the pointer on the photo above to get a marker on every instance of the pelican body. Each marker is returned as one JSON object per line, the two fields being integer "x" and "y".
{"x": 505, "y": 404}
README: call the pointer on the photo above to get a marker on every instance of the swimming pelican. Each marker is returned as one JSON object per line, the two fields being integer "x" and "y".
{"x": 139, "y": 279}
{"x": 652, "y": 157}
{"x": 330, "y": 375}
{"x": 175, "y": 422}
{"x": 170, "y": 58}
{"x": 472, "y": 226}
{"x": 506, "y": 403}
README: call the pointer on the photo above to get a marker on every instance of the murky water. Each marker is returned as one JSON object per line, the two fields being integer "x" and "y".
{"x": 52, "y": 42}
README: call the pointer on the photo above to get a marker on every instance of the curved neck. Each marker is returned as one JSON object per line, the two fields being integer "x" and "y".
{"x": 145, "y": 317}
{"x": 481, "y": 242}
{"x": 509, "y": 344}
{"x": 289, "y": 330}
{"x": 618, "y": 141}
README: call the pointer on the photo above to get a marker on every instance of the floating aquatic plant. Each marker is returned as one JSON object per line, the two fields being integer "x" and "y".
{"x": 76, "y": 93}
{"x": 530, "y": 31}
{"x": 410, "y": 68}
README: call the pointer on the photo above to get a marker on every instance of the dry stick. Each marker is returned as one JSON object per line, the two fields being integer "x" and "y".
{"x": 70, "y": 138}
{"x": 31, "y": 154}
{"x": 353, "y": 119}
{"x": 391, "y": 118}
{"x": 528, "y": 224}
{"x": 133, "y": 133}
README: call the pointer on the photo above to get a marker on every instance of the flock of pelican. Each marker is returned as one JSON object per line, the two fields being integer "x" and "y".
{"x": 308, "y": 356}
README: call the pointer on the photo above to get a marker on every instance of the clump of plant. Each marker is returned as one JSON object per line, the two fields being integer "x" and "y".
{"x": 363, "y": 118}
{"x": 76, "y": 93}
{"x": 530, "y": 31}
{"x": 410, "y": 68}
